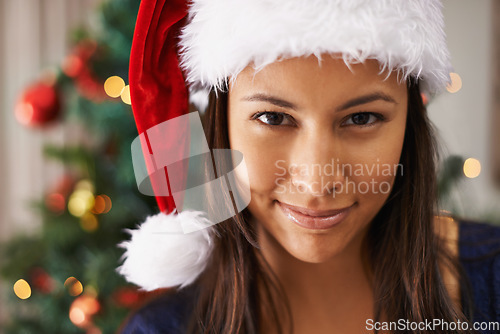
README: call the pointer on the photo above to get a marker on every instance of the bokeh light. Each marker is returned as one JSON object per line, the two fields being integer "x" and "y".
{"x": 125, "y": 94}
{"x": 84, "y": 185}
{"x": 472, "y": 168}
{"x": 82, "y": 310}
{"x": 80, "y": 202}
{"x": 24, "y": 113}
{"x": 425, "y": 99}
{"x": 114, "y": 86}
{"x": 82, "y": 199}
{"x": 77, "y": 316}
{"x": 456, "y": 83}
{"x": 102, "y": 204}
{"x": 22, "y": 289}
{"x": 89, "y": 222}
{"x": 74, "y": 286}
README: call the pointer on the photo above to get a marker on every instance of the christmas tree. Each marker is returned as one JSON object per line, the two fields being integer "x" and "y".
{"x": 64, "y": 278}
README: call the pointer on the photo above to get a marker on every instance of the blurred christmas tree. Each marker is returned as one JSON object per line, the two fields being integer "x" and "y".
{"x": 63, "y": 277}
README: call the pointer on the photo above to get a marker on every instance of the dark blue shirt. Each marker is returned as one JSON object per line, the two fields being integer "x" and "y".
{"x": 479, "y": 247}
{"x": 479, "y": 254}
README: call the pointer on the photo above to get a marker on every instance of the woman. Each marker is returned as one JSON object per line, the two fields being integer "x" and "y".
{"x": 323, "y": 100}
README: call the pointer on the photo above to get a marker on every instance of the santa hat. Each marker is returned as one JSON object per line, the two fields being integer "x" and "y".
{"x": 181, "y": 50}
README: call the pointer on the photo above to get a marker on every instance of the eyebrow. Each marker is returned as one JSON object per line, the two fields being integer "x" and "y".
{"x": 349, "y": 104}
{"x": 270, "y": 99}
{"x": 366, "y": 99}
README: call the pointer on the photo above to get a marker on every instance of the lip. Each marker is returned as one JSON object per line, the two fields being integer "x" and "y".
{"x": 314, "y": 219}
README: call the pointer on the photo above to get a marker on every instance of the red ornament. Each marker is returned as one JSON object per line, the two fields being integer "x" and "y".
{"x": 130, "y": 297}
{"x": 65, "y": 185}
{"x": 39, "y": 104}
{"x": 55, "y": 202}
{"x": 56, "y": 199}
{"x": 41, "y": 281}
{"x": 77, "y": 66}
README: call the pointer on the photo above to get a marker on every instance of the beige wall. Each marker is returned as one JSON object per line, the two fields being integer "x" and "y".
{"x": 33, "y": 36}
{"x": 464, "y": 119}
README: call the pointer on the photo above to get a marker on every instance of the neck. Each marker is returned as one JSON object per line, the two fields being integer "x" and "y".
{"x": 321, "y": 291}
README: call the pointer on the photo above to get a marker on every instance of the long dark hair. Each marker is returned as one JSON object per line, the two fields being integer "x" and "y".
{"x": 238, "y": 286}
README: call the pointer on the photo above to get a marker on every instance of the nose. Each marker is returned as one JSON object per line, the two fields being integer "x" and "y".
{"x": 316, "y": 164}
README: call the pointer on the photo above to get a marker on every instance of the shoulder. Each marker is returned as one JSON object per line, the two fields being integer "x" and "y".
{"x": 447, "y": 230}
{"x": 479, "y": 254}
{"x": 479, "y": 248}
{"x": 167, "y": 313}
{"x": 478, "y": 239}
{"x": 469, "y": 240}
{"x": 476, "y": 245}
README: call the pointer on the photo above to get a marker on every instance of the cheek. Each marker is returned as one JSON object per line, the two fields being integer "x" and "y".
{"x": 374, "y": 166}
{"x": 261, "y": 157}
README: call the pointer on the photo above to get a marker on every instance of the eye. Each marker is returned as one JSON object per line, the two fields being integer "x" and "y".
{"x": 364, "y": 119}
{"x": 273, "y": 118}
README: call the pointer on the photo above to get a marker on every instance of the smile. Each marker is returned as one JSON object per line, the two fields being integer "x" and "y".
{"x": 314, "y": 219}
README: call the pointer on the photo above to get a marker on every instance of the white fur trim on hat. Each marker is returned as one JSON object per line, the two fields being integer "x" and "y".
{"x": 224, "y": 36}
{"x": 160, "y": 255}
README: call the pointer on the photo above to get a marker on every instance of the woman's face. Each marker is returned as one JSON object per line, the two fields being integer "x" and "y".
{"x": 316, "y": 138}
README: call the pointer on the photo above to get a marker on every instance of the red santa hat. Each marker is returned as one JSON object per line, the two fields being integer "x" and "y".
{"x": 182, "y": 49}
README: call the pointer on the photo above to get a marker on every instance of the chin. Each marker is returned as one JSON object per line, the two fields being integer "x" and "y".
{"x": 313, "y": 257}
{"x": 313, "y": 248}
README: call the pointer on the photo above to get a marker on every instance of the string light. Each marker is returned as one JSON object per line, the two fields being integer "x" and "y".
{"x": 22, "y": 289}
{"x": 472, "y": 168}
{"x": 114, "y": 86}
{"x": 456, "y": 83}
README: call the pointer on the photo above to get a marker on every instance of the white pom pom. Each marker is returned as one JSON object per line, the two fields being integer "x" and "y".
{"x": 160, "y": 255}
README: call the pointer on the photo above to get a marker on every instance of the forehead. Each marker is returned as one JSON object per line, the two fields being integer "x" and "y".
{"x": 311, "y": 78}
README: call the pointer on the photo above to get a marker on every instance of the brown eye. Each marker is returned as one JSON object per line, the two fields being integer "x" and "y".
{"x": 360, "y": 119}
{"x": 363, "y": 118}
{"x": 272, "y": 118}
